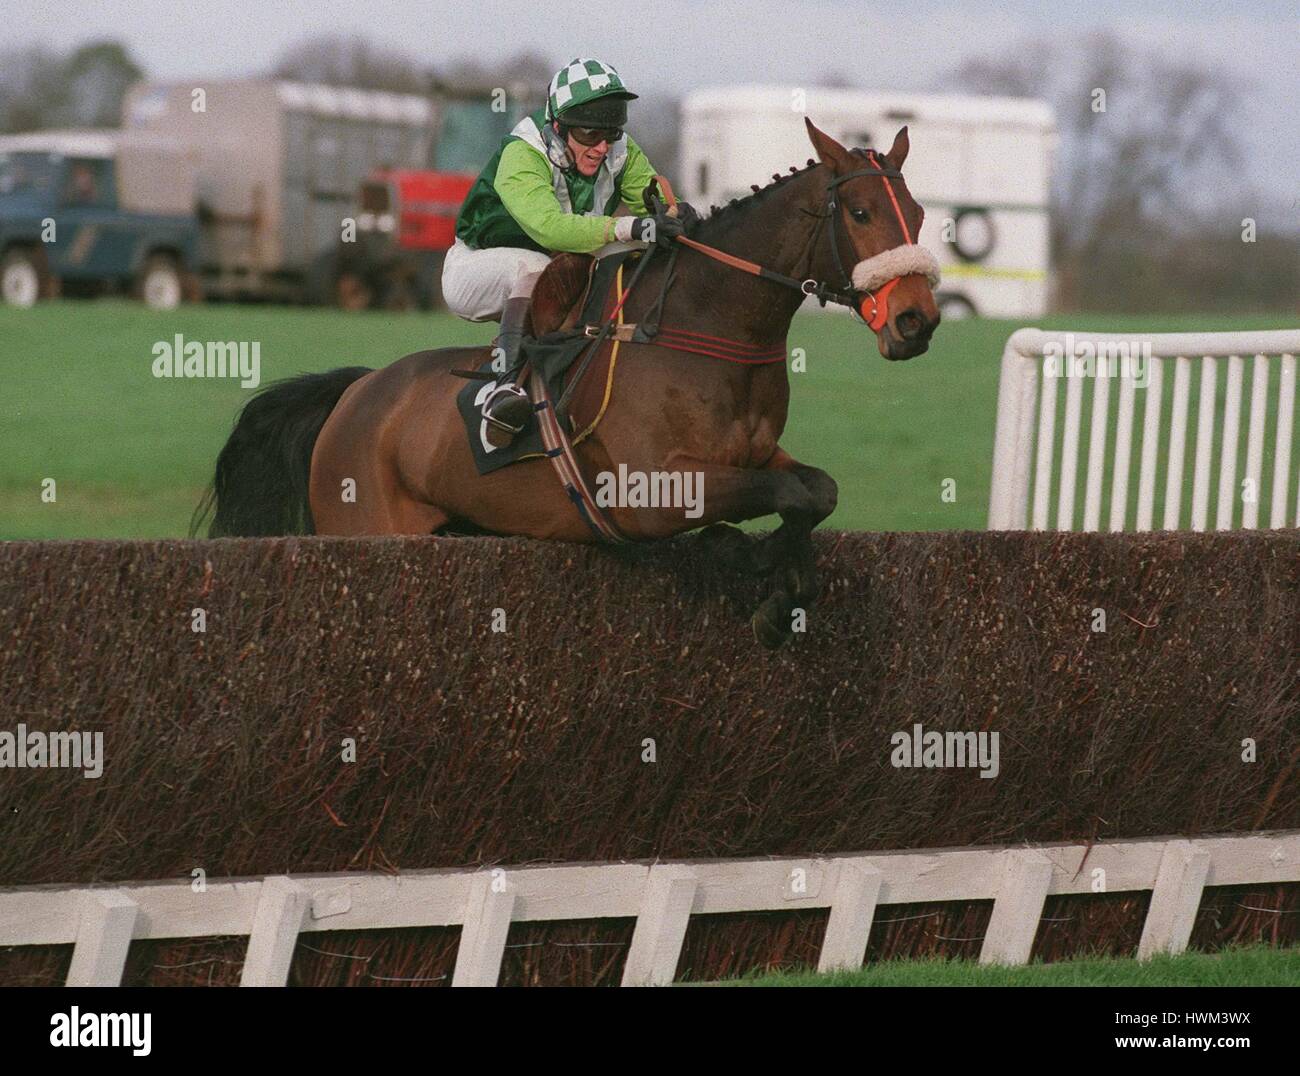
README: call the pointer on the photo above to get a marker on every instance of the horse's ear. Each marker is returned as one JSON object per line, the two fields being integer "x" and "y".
{"x": 832, "y": 154}
{"x": 898, "y": 151}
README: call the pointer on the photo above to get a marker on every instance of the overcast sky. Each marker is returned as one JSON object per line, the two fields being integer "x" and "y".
{"x": 672, "y": 45}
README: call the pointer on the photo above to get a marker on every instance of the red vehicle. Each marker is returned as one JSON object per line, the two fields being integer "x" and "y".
{"x": 405, "y": 224}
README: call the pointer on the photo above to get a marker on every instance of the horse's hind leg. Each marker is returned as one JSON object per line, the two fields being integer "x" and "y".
{"x": 733, "y": 547}
{"x": 356, "y": 490}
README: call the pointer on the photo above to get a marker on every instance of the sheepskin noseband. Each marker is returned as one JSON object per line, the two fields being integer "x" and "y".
{"x": 876, "y": 277}
{"x": 889, "y": 264}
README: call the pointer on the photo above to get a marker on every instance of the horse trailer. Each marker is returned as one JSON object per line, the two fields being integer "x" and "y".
{"x": 279, "y": 166}
{"x": 980, "y": 166}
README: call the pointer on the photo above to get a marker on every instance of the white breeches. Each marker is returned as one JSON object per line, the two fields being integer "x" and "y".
{"x": 477, "y": 283}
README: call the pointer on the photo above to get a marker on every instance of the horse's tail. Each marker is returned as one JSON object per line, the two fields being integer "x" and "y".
{"x": 261, "y": 481}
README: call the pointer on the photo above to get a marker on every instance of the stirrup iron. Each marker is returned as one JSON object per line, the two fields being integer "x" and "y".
{"x": 505, "y": 390}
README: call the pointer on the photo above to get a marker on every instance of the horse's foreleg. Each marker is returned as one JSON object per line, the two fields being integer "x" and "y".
{"x": 802, "y": 496}
{"x": 789, "y": 547}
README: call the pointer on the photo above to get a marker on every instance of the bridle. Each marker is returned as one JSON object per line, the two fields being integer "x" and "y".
{"x": 879, "y": 299}
{"x": 871, "y": 304}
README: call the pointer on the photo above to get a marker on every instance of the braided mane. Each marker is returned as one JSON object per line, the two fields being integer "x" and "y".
{"x": 725, "y": 212}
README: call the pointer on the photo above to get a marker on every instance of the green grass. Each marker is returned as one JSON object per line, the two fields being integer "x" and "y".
{"x": 131, "y": 453}
{"x": 1254, "y": 966}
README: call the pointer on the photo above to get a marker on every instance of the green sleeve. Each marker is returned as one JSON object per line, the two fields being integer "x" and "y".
{"x": 523, "y": 183}
{"x": 637, "y": 174}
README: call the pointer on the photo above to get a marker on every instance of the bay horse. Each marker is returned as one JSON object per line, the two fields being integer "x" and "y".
{"x": 397, "y": 435}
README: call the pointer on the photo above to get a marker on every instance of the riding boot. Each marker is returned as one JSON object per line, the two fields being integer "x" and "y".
{"x": 508, "y": 407}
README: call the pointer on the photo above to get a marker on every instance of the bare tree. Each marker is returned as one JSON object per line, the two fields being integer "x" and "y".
{"x": 1142, "y": 138}
{"x": 527, "y": 68}
{"x": 97, "y": 76}
{"x": 84, "y": 88}
{"x": 338, "y": 60}
{"x": 834, "y": 80}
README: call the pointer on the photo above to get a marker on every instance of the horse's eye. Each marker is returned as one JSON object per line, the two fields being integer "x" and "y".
{"x": 859, "y": 215}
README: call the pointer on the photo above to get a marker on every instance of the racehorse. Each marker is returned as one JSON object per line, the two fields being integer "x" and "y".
{"x": 397, "y": 435}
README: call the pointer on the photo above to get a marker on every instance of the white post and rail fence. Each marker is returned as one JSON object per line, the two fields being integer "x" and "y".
{"x": 274, "y": 912}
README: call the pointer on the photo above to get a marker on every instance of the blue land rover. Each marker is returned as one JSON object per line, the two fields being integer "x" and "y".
{"x": 84, "y": 213}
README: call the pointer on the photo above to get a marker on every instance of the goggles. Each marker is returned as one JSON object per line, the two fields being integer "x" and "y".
{"x": 594, "y": 136}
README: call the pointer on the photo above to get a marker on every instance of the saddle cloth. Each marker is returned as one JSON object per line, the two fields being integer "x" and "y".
{"x": 574, "y": 290}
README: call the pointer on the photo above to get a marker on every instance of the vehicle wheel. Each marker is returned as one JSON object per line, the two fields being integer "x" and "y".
{"x": 974, "y": 235}
{"x": 161, "y": 286}
{"x": 20, "y": 279}
{"x": 428, "y": 284}
{"x": 955, "y": 307}
{"x": 321, "y": 277}
{"x": 398, "y": 288}
{"x": 352, "y": 293}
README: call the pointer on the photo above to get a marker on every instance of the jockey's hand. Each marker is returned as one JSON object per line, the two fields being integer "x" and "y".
{"x": 687, "y": 215}
{"x": 667, "y": 228}
{"x": 661, "y": 229}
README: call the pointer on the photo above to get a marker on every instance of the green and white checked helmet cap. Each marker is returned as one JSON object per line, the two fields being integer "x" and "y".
{"x": 580, "y": 81}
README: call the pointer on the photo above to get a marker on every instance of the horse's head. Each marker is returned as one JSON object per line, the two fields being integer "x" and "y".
{"x": 874, "y": 223}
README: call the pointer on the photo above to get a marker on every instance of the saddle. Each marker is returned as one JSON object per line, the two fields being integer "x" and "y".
{"x": 574, "y": 292}
{"x": 560, "y": 294}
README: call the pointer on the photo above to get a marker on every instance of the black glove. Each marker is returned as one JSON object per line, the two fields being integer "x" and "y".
{"x": 687, "y": 215}
{"x": 661, "y": 226}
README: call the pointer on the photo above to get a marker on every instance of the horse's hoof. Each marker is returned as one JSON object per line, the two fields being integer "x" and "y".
{"x": 770, "y": 623}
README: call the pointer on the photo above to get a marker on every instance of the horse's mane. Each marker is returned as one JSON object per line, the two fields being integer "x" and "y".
{"x": 727, "y": 213}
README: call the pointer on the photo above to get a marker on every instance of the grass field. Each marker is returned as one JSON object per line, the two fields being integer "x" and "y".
{"x": 131, "y": 453}
{"x": 1254, "y": 966}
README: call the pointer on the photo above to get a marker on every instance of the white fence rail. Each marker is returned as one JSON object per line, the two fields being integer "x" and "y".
{"x": 1025, "y": 445}
{"x": 273, "y": 912}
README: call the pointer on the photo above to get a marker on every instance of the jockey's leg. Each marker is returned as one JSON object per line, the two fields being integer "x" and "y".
{"x": 508, "y": 407}
{"x": 477, "y": 283}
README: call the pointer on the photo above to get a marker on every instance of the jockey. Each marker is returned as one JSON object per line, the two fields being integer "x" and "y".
{"x": 552, "y": 186}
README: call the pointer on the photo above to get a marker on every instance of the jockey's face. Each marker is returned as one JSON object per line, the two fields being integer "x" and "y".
{"x": 587, "y": 158}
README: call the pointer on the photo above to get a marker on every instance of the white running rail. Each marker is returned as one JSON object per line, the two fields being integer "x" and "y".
{"x": 101, "y": 922}
{"x": 1035, "y": 362}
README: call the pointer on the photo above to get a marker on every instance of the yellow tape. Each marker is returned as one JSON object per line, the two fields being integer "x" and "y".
{"x": 1003, "y": 274}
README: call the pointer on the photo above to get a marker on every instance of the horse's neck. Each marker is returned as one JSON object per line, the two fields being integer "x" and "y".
{"x": 711, "y": 297}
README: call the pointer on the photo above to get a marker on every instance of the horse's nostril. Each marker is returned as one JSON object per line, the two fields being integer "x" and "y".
{"x": 910, "y": 324}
